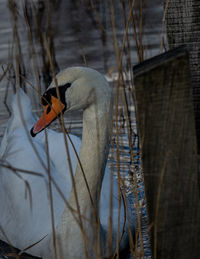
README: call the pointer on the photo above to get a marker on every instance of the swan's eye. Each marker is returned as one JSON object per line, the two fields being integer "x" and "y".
{"x": 46, "y": 99}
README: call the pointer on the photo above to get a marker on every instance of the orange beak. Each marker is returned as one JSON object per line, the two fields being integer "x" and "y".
{"x": 50, "y": 113}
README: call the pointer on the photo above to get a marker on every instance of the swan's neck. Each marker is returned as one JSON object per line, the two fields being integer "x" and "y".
{"x": 93, "y": 157}
{"x": 93, "y": 154}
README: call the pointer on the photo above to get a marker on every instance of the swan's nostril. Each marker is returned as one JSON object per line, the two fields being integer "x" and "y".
{"x": 32, "y": 133}
{"x": 48, "y": 109}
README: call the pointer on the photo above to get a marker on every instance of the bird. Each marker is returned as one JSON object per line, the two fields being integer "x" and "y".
{"x": 73, "y": 219}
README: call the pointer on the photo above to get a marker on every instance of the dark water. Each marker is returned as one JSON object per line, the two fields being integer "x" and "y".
{"x": 78, "y": 37}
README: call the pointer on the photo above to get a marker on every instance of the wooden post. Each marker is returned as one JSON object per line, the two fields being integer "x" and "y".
{"x": 165, "y": 120}
{"x": 183, "y": 27}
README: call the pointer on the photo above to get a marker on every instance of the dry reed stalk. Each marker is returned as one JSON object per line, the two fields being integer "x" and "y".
{"x": 116, "y": 49}
{"x": 32, "y": 48}
{"x": 17, "y": 172}
{"x": 99, "y": 21}
{"x": 109, "y": 237}
{"x": 19, "y": 83}
{"x": 14, "y": 11}
{"x": 16, "y": 169}
{"x": 50, "y": 195}
{"x": 30, "y": 246}
{"x": 140, "y": 28}
{"x": 30, "y": 39}
{"x": 68, "y": 154}
{"x": 46, "y": 49}
{"x": 5, "y": 71}
{"x": 8, "y": 241}
{"x": 97, "y": 221}
{"x": 123, "y": 3}
{"x": 39, "y": 38}
{"x": 163, "y": 26}
{"x": 134, "y": 30}
{"x": 83, "y": 54}
{"x": 120, "y": 77}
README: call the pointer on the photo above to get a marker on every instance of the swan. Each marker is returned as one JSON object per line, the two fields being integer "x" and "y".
{"x": 25, "y": 197}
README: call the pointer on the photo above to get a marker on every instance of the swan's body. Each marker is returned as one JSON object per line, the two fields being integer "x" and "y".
{"x": 25, "y": 224}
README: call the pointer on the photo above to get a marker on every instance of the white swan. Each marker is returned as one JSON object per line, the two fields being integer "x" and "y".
{"x": 25, "y": 213}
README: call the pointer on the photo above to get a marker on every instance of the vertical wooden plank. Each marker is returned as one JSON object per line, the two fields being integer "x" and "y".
{"x": 183, "y": 27}
{"x": 167, "y": 134}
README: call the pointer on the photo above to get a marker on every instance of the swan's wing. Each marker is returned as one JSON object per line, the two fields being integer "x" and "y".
{"x": 24, "y": 196}
{"x": 3, "y": 143}
{"x": 21, "y": 120}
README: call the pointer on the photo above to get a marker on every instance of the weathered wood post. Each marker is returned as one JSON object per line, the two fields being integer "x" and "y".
{"x": 166, "y": 126}
{"x": 183, "y": 27}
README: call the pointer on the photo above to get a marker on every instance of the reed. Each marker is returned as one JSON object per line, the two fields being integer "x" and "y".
{"x": 35, "y": 18}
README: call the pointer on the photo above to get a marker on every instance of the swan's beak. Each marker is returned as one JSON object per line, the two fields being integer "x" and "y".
{"x": 50, "y": 113}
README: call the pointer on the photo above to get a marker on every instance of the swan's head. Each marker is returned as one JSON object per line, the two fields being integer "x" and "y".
{"x": 78, "y": 88}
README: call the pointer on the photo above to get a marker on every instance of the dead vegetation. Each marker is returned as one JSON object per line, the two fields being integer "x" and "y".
{"x": 33, "y": 21}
